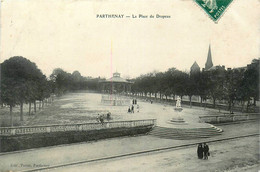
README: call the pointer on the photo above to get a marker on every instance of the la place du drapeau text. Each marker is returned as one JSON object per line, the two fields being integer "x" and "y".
{"x": 104, "y": 16}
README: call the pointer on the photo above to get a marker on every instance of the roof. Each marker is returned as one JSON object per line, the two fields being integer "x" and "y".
{"x": 116, "y": 78}
{"x": 212, "y": 68}
{"x": 215, "y": 68}
{"x": 195, "y": 65}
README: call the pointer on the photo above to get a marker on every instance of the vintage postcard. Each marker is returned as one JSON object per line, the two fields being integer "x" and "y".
{"x": 123, "y": 85}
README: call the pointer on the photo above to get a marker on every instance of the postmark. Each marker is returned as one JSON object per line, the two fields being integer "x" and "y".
{"x": 214, "y": 8}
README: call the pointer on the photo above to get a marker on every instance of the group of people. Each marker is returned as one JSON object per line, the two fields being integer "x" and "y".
{"x": 203, "y": 151}
{"x": 131, "y": 110}
{"x": 101, "y": 118}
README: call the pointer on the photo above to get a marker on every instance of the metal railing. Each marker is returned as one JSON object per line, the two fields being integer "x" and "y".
{"x": 8, "y": 131}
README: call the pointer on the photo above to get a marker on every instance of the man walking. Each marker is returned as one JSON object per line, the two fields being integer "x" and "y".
{"x": 206, "y": 151}
{"x": 200, "y": 151}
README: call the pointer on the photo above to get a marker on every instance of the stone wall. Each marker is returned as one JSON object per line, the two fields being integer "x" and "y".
{"x": 21, "y": 142}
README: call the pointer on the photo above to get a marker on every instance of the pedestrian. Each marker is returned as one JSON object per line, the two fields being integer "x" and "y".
{"x": 206, "y": 151}
{"x": 108, "y": 116}
{"x": 101, "y": 119}
{"x": 129, "y": 110}
{"x": 133, "y": 101}
{"x": 98, "y": 118}
{"x": 137, "y": 107}
{"x": 200, "y": 151}
{"x": 133, "y": 109}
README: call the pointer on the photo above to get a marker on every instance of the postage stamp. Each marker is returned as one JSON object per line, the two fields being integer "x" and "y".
{"x": 214, "y": 8}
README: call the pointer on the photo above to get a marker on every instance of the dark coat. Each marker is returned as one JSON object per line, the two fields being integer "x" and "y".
{"x": 200, "y": 152}
{"x": 206, "y": 148}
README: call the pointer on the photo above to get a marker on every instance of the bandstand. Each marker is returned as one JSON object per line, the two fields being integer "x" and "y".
{"x": 115, "y": 85}
{"x": 115, "y": 90}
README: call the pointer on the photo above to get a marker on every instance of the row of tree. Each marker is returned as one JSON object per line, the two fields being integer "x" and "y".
{"x": 231, "y": 85}
{"x": 23, "y": 83}
{"x": 64, "y": 81}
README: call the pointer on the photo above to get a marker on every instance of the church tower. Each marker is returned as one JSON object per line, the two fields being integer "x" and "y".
{"x": 209, "y": 63}
{"x": 194, "y": 68}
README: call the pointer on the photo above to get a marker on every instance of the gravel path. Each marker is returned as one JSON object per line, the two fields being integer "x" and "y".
{"x": 236, "y": 155}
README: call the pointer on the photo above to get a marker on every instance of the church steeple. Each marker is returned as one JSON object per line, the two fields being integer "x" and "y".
{"x": 209, "y": 63}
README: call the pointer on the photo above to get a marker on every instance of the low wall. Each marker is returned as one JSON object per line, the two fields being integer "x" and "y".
{"x": 21, "y": 138}
{"x": 115, "y": 100}
{"x": 229, "y": 118}
{"x": 170, "y": 101}
{"x": 8, "y": 131}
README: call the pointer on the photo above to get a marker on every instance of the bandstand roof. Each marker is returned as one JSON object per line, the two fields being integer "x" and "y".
{"x": 116, "y": 78}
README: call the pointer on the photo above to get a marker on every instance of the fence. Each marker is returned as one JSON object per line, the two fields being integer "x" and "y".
{"x": 229, "y": 118}
{"x": 209, "y": 104}
{"x": 115, "y": 100}
{"x": 8, "y": 131}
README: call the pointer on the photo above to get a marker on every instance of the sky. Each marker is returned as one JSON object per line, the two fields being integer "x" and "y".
{"x": 67, "y": 34}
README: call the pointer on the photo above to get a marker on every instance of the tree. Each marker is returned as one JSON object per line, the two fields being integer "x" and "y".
{"x": 192, "y": 85}
{"x": 216, "y": 84}
{"x": 18, "y": 76}
{"x": 203, "y": 86}
{"x": 249, "y": 87}
{"x": 232, "y": 87}
{"x": 180, "y": 83}
{"x": 77, "y": 80}
{"x": 44, "y": 90}
{"x": 61, "y": 80}
{"x": 158, "y": 83}
{"x": 9, "y": 92}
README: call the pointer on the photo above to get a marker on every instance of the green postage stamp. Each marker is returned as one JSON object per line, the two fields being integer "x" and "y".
{"x": 214, "y": 8}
